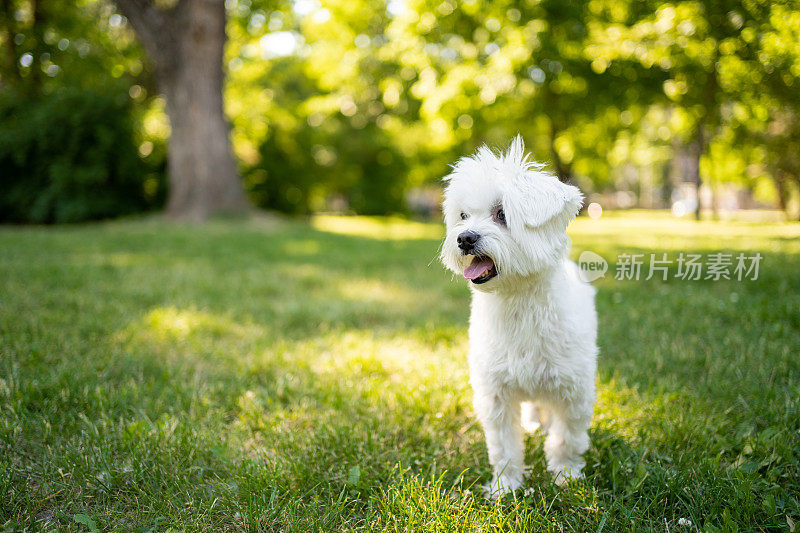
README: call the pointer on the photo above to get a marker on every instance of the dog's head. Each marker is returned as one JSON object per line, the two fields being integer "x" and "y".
{"x": 506, "y": 218}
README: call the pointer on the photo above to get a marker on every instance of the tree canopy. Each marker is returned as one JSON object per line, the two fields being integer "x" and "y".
{"x": 355, "y": 102}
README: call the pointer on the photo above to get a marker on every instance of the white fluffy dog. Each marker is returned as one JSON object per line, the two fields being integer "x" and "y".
{"x": 533, "y": 327}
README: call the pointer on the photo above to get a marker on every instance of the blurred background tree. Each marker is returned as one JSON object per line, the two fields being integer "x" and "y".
{"x": 185, "y": 40}
{"x": 360, "y": 105}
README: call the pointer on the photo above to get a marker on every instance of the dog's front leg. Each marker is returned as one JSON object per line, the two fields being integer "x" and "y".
{"x": 500, "y": 416}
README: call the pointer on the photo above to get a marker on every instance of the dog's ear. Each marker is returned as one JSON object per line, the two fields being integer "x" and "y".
{"x": 537, "y": 197}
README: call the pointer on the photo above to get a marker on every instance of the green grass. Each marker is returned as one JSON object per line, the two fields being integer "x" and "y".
{"x": 264, "y": 376}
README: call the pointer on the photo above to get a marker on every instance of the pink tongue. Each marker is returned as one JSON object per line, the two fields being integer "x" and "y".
{"x": 478, "y": 267}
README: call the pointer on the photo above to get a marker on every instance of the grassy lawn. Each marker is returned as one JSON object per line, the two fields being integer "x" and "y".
{"x": 265, "y": 376}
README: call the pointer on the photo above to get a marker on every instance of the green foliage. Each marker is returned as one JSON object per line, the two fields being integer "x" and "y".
{"x": 284, "y": 178}
{"x": 302, "y": 171}
{"x": 355, "y": 102}
{"x": 71, "y": 156}
{"x": 266, "y": 376}
{"x": 57, "y": 44}
{"x": 74, "y": 99}
{"x": 309, "y": 157}
{"x": 324, "y": 140}
{"x": 595, "y": 87}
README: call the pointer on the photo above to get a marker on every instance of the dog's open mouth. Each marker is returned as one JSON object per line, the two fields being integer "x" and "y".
{"x": 481, "y": 270}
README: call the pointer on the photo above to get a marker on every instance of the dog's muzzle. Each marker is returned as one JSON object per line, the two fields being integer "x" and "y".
{"x": 466, "y": 241}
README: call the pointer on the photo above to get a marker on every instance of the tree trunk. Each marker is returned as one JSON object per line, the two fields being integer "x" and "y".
{"x": 667, "y": 185}
{"x": 796, "y": 180}
{"x": 203, "y": 177}
{"x": 695, "y": 152}
{"x": 37, "y": 28}
{"x": 563, "y": 170}
{"x": 783, "y": 192}
{"x": 704, "y": 132}
{"x": 11, "y": 56}
{"x": 186, "y": 45}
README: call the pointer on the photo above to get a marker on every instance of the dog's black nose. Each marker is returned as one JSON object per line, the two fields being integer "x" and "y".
{"x": 467, "y": 239}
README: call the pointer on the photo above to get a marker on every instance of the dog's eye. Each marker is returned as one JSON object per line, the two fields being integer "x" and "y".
{"x": 500, "y": 216}
{"x": 464, "y": 216}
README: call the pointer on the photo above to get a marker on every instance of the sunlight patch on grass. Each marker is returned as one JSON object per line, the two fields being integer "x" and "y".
{"x": 625, "y": 410}
{"x": 169, "y": 322}
{"x": 190, "y": 342}
{"x": 302, "y": 247}
{"x": 383, "y": 228}
{"x": 375, "y": 290}
{"x": 659, "y": 231}
{"x": 403, "y": 358}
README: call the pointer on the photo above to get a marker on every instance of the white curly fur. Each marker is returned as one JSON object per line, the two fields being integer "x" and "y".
{"x": 533, "y": 327}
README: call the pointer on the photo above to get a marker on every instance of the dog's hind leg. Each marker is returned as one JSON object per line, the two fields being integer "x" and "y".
{"x": 534, "y": 417}
{"x": 567, "y": 440}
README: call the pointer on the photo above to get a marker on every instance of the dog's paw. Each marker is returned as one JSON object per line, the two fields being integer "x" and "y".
{"x": 563, "y": 474}
{"x": 501, "y": 485}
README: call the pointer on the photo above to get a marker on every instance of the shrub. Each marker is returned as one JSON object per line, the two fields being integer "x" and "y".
{"x": 286, "y": 177}
{"x": 71, "y": 156}
{"x": 300, "y": 170}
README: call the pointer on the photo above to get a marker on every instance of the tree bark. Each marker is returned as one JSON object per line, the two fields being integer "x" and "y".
{"x": 186, "y": 44}
{"x": 703, "y": 133}
{"x": 783, "y": 192}
{"x": 796, "y": 180}
{"x": 7, "y": 33}
{"x": 695, "y": 152}
{"x": 37, "y": 28}
{"x": 563, "y": 170}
